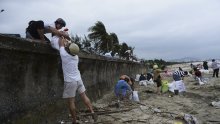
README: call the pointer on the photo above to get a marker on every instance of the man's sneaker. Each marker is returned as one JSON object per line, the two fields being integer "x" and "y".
{"x": 94, "y": 117}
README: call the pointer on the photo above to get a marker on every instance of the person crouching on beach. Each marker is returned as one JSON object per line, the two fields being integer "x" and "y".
{"x": 130, "y": 80}
{"x": 122, "y": 88}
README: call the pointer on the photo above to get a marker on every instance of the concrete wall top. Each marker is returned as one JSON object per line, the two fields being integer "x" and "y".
{"x": 30, "y": 45}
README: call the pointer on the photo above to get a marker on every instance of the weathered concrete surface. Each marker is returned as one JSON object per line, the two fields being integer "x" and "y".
{"x": 31, "y": 81}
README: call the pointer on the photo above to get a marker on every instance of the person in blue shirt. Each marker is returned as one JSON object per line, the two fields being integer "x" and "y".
{"x": 123, "y": 89}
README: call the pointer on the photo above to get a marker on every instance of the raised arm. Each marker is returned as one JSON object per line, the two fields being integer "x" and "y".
{"x": 128, "y": 87}
{"x": 59, "y": 33}
{"x": 62, "y": 42}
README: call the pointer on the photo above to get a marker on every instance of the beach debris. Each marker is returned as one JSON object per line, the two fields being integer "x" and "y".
{"x": 136, "y": 120}
{"x": 177, "y": 85}
{"x": 216, "y": 104}
{"x": 215, "y": 121}
{"x": 170, "y": 96}
{"x": 148, "y": 91}
{"x": 146, "y": 82}
{"x": 165, "y": 86}
{"x": 106, "y": 112}
{"x": 137, "y": 77}
{"x": 61, "y": 122}
{"x": 117, "y": 104}
{"x": 178, "y": 122}
{"x": 204, "y": 71}
{"x": 190, "y": 119}
{"x": 135, "y": 96}
{"x": 156, "y": 110}
{"x": 143, "y": 83}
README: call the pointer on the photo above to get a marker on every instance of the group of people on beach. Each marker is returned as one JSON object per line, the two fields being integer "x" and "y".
{"x": 198, "y": 72}
{"x": 69, "y": 55}
{"x": 73, "y": 83}
{"x": 123, "y": 87}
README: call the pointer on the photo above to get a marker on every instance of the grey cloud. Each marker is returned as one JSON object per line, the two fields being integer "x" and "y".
{"x": 157, "y": 29}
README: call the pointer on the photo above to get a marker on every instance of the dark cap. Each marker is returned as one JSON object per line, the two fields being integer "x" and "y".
{"x": 60, "y": 21}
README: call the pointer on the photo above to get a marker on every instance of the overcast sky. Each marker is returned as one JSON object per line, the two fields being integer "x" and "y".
{"x": 161, "y": 29}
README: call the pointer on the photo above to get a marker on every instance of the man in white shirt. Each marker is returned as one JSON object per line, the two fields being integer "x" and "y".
{"x": 215, "y": 68}
{"x": 37, "y": 29}
{"x": 72, "y": 78}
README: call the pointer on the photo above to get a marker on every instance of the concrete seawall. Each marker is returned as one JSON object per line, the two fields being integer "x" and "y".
{"x": 31, "y": 79}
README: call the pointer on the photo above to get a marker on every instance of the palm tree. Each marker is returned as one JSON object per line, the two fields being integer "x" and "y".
{"x": 86, "y": 42}
{"x": 115, "y": 48}
{"x": 114, "y": 38}
{"x": 77, "y": 40}
{"x": 103, "y": 41}
{"x": 124, "y": 48}
{"x": 131, "y": 55}
{"x": 106, "y": 44}
{"x": 98, "y": 34}
{"x": 98, "y": 31}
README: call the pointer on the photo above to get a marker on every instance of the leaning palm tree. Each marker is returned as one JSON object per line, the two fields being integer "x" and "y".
{"x": 124, "y": 48}
{"x": 86, "y": 42}
{"x": 106, "y": 45}
{"x": 77, "y": 40}
{"x": 116, "y": 49}
{"x": 115, "y": 44}
{"x": 131, "y": 54}
{"x": 98, "y": 34}
{"x": 114, "y": 38}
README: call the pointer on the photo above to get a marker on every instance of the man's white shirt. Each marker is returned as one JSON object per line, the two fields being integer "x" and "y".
{"x": 70, "y": 66}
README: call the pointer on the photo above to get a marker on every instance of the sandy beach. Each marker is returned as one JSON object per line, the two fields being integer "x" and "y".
{"x": 166, "y": 108}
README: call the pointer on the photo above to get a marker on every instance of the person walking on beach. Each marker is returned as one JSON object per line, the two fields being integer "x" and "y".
{"x": 205, "y": 65}
{"x": 215, "y": 68}
{"x": 157, "y": 78}
{"x": 72, "y": 78}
